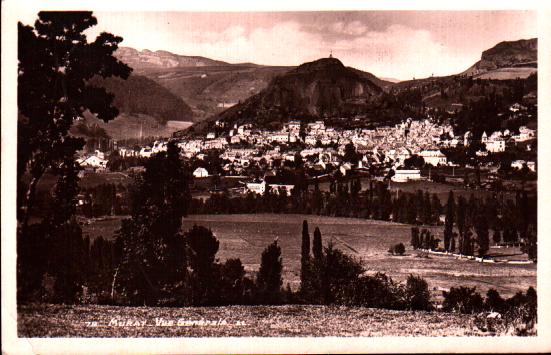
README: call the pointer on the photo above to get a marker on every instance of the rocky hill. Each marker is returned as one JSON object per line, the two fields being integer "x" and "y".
{"x": 498, "y": 73}
{"x": 518, "y": 57}
{"x": 322, "y": 88}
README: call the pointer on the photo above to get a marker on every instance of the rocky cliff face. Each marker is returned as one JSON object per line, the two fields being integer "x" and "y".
{"x": 508, "y": 54}
{"x": 147, "y": 59}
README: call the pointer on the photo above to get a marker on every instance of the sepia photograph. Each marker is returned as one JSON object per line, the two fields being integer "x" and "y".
{"x": 301, "y": 174}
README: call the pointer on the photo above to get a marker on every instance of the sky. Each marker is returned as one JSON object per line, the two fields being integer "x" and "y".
{"x": 389, "y": 44}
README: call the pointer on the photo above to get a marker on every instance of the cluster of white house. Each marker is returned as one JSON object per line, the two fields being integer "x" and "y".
{"x": 383, "y": 145}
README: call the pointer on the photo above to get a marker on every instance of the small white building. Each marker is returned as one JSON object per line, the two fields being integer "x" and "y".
{"x": 402, "y": 175}
{"x": 200, "y": 172}
{"x": 260, "y": 187}
{"x": 345, "y": 168}
{"x": 434, "y": 157}
{"x": 280, "y": 137}
{"x": 293, "y": 126}
{"x": 93, "y": 161}
{"x": 159, "y": 146}
{"x": 146, "y": 152}
{"x": 519, "y": 164}
{"x": 127, "y": 152}
{"x": 495, "y": 145}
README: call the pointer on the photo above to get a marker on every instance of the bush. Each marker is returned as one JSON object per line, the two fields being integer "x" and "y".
{"x": 377, "y": 291}
{"x": 397, "y": 249}
{"x": 417, "y": 294}
{"x": 518, "y": 317}
{"x": 336, "y": 272}
{"x": 462, "y": 300}
{"x": 494, "y": 302}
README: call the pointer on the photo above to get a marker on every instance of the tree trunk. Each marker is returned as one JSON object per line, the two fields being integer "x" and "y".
{"x": 28, "y": 204}
{"x": 113, "y": 284}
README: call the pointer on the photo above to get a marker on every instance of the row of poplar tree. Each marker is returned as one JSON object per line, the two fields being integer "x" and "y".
{"x": 468, "y": 223}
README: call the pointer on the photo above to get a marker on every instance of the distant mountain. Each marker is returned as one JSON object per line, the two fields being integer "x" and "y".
{"x": 140, "y": 95}
{"x": 507, "y": 60}
{"x": 210, "y": 90}
{"x": 495, "y": 73}
{"x": 391, "y": 80}
{"x": 322, "y": 88}
{"x": 147, "y": 59}
{"x": 208, "y": 86}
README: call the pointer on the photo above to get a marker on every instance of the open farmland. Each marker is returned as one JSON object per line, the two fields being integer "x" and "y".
{"x": 246, "y": 236}
{"x": 45, "y": 320}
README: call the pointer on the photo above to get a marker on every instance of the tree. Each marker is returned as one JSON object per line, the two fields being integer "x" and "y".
{"x": 153, "y": 252}
{"x": 54, "y": 248}
{"x": 497, "y": 236}
{"x": 427, "y": 209}
{"x": 483, "y": 238}
{"x": 350, "y": 154}
{"x": 398, "y": 249}
{"x": 530, "y": 245}
{"x": 317, "y": 245}
{"x": 415, "y": 237}
{"x": 269, "y": 279}
{"x": 448, "y": 223}
{"x": 461, "y": 222}
{"x": 338, "y": 271}
{"x": 55, "y": 63}
{"x": 436, "y": 209}
{"x": 232, "y": 273}
{"x": 305, "y": 269}
{"x": 202, "y": 247}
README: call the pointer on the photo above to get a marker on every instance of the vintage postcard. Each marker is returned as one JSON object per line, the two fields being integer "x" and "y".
{"x": 239, "y": 178}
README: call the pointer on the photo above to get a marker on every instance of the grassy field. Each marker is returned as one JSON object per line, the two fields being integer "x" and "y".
{"x": 246, "y": 236}
{"x": 45, "y": 320}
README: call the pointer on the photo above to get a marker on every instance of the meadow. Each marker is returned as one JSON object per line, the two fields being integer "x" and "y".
{"x": 246, "y": 236}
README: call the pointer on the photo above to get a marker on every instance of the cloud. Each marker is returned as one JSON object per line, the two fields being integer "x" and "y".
{"x": 397, "y": 50}
{"x": 354, "y": 28}
{"x": 281, "y": 44}
{"x": 400, "y": 52}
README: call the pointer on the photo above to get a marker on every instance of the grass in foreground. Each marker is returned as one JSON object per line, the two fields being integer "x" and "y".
{"x": 44, "y": 320}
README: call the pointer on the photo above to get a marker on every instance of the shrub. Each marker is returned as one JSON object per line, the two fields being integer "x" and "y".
{"x": 494, "y": 302}
{"x": 336, "y": 272}
{"x": 397, "y": 249}
{"x": 417, "y": 294}
{"x": 462, "y": 300}
{"x": 377, "y": 291}
{"x": 231, "y": 282}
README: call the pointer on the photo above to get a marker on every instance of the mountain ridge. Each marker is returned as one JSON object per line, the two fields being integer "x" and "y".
{"x": 147, "y": 59}
{"x": 506, "y": 54}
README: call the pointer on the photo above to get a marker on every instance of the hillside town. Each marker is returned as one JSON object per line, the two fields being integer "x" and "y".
{"x": 159, "y": 192}
{"x": 387, "y": 150}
